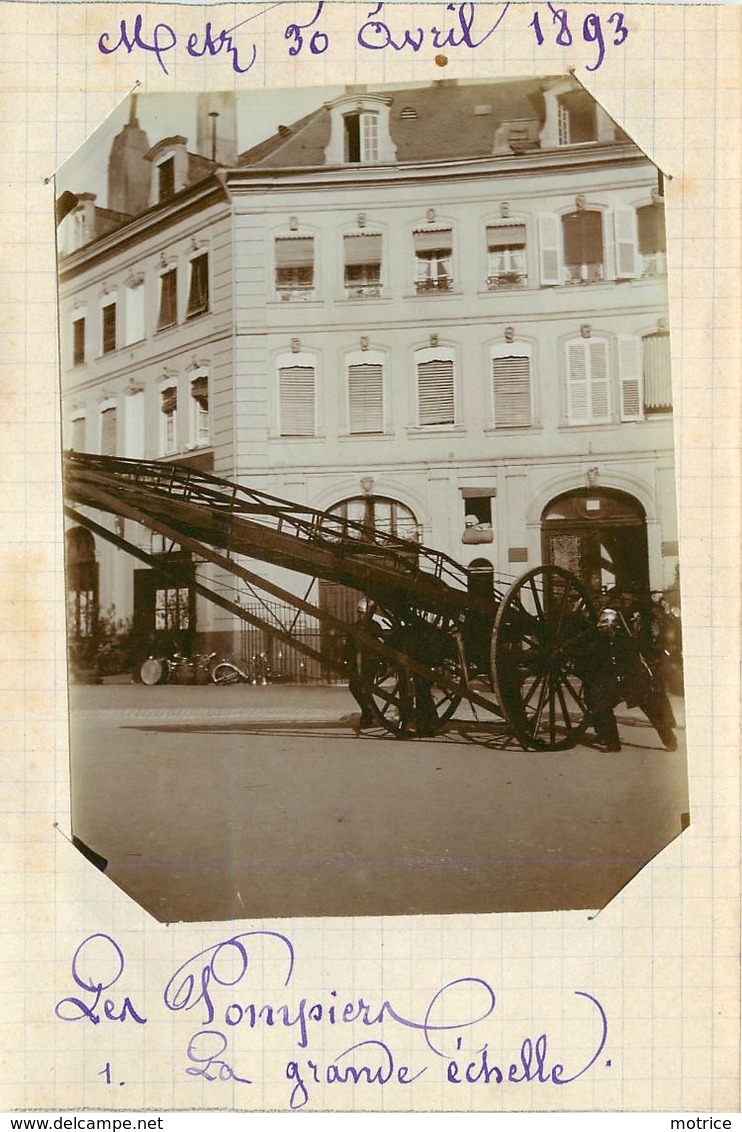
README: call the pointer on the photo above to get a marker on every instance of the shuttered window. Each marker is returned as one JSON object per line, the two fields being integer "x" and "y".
{"x": 296, "y": 400}
{"x": 108, "y": 316}
{"x": 198, "y": 289}
{"x": 582, "y": 233}
{"x": 200, "y": 410}
{"x": 169, "y": 429}
{"x": 366, "y": 398}
{"x": 78, "y": 434}
{"x": 108, "y": 432}
{"x": 652, "y": 240}
{"x": 588, "y": 400}
{"x": 134, "y": 313}
{"x": 511, "y": 391}
{"x": 657, "y": 381}
{"x": 168, "y": 315}
{"x": 294, "y": 266}
{"x": 436, "y": 400}
{"x": 78, "y": 341}
{"x": 166, "y": 178}
{"x": 362, "y": 257}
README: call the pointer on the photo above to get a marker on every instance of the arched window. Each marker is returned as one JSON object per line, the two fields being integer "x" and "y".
{"x": 379, "y": 513}
{"x": 82, "y": 584}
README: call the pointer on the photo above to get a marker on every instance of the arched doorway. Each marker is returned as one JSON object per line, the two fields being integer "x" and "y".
{"x": 601, "y": 536}
{"x": 375, "y": 513}
{"x": 82, "y": 584}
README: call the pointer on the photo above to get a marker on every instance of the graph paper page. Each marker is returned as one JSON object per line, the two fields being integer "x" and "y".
{"x": 638, "y": 1000}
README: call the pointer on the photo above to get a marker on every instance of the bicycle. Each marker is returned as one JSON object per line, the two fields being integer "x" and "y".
{"x": 177, "y": 669}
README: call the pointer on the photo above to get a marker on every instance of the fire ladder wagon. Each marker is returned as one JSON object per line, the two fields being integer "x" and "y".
{"x": 428, "y": 640}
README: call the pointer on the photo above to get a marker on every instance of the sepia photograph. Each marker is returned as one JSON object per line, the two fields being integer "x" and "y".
{"x": 371, "y": 541}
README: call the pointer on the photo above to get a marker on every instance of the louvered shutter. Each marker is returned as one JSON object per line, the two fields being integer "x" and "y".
{"x": 511, "y": 390}
{"x": 109, "y": 327}
{"x": 599, "y": 390}
{"x": 657, "y": 379}
{"x": 198, "y": 294}
{"x": 108, "y": 432}
{"x": 549, "y": 250}
{"x": 577, "y": 383}
{"x": 625, "y": 230}
{"x": 435, "y": 393}
{"x": 366, "y": 398}
{"x": 78, "y": 434}
{"x": 134, "y": 313}
{"x": 168, "y": 299}
{"x": 296, "y": 393}
{"x": 433, "y": 240}
{"x": 630, "y": 367}
{"x": 506, "y": 236}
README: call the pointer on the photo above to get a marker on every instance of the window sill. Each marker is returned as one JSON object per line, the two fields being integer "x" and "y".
{"x": 418, "y": 432}
{"x": 296, "y": 439}
{"x": 197, "y": 314}
{"x": 498, "y": 430}
{"x": 357, "y": 436}
{"x": 164, "y": 329}
{"x": 434, "y": 295}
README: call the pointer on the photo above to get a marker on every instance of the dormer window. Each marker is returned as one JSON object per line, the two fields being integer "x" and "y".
{"x": 166, "y": 179}
{"x": 361, "y": 137}
{"x": 576, "y": 115}
{"x": 359, "y": 130}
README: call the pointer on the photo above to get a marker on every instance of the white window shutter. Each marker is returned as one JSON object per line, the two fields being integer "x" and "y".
{"x": 625, "y": 230}
{"x": 599, "y": 385}
{"x": 296, "y": 395}
{"x": 436, "y": 399}
{"x": 365, "y": 398}
{"x": 511, "y": 391}
{"x": 549, "y": 249}
{"x": 578, "y": 406}
{"x": 630, "y": 367}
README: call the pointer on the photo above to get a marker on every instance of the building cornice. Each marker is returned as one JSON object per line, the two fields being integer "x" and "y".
{"x": 154, "y": 221}
{"x": 536, "y": 162}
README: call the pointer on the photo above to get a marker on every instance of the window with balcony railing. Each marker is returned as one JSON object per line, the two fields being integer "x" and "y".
{"x": 506, "y": 257}
{"x": 584, "y": 255}
{"x": 433, "y": 261}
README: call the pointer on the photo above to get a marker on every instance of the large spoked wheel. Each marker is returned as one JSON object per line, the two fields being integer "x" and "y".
{"x": 542, "y": 648}
{"x": 403, "y": 703}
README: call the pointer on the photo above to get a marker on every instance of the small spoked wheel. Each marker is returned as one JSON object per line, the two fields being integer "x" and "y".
{"x": 154, "y": 670}
{"x": 542, "y": 648}
{"x": 402, "y": 702}
{"x": 226, "y": 673}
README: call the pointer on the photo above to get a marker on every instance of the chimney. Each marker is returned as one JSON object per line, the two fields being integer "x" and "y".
{"x": 216, "y": 127}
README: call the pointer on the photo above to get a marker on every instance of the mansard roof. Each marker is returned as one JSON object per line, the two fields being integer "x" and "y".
{"x": 447, "y": 120}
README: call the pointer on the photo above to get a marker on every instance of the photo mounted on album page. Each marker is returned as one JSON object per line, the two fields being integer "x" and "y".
{"x": 374, "y": 456}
